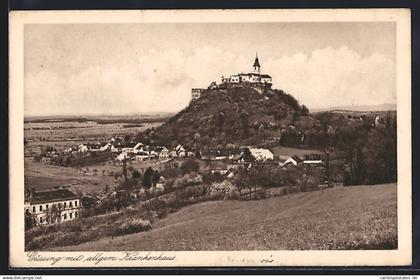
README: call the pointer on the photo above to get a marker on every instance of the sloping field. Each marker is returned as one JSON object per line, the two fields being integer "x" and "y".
{"x": 362, "y": 217}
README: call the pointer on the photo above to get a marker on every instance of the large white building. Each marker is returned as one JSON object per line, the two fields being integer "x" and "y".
{"x": 255, "y": 77}
{"x": 54, "y": 205}
{"x": 261, "y": 154}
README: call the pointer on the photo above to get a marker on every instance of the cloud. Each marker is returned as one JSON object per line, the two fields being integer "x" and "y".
{"x": 162, "y": 81}
{"x": 335, "y": 77}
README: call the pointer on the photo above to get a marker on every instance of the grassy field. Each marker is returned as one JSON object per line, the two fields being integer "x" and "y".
{"x": 71, "y": 134}
{"x": 43, "y": 176}
{"x": 362, "y": 217}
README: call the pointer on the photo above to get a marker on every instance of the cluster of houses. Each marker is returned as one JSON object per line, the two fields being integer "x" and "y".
{"x": 123, "y": 150}
{"x": 265, "y": 155}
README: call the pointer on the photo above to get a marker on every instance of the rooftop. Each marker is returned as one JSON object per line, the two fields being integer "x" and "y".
{"x": 52, "y": 196}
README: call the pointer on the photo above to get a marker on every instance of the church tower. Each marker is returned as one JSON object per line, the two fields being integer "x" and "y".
{"x": 256, "y": 67}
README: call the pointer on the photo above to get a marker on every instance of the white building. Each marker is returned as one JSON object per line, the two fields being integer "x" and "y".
{"x": 294, "y": 160}
{"x": 314, "y": 159}
{"x": 138, "y": 148}
{"x": 160, "y": 184}
{"x": 180, "y": 151}
{"x": 163, "y": 152}
{"x": 261, "y": 154}
{"x": 82, "y": 148}
{"x": 122, "y": 156}
{"x": 107, "y": 146}
{"x": 54, "y": 205}
{"x": 255, "y": 77}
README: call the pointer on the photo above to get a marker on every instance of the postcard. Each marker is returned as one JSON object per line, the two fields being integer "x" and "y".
{"x": 210, "y": 138}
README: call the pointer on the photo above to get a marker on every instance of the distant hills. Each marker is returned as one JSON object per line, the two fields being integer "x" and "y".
{"x": 158, "y": 116}
{"x": 361, "y": 108}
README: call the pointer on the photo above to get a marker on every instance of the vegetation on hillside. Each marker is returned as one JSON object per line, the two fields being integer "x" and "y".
{"x": 224, "y": 116}
{"x": 353, "y": 218}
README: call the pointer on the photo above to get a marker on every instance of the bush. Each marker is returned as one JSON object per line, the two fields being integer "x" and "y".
{"x": 224, "y": 187}
{"x": 132, "y": 226}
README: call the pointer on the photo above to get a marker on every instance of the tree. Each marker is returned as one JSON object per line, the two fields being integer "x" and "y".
{"x": 148, "y": 178}
{"x": 124, "y": 169}
{"x": 29, "y": 220}
{"x": 247, "y": 155}
{"x": 136, "y": 174}
{"x": 190, "y": 165}
{"x": 156, "y": 177}
{"x": 53, "y": 214}
{"x": 304, "y": 111}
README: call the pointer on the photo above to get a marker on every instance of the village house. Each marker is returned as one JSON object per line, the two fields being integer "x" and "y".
{"x": 128, "y": 147}
{"x": 95, "y": 147}
{"x": 142, "y": 156}
{"x": 82, "y": 148}
{"x": 138, "y": 148}
{"x": 180, "y": 151}
{"x": 173, "y": 154}
{"x": 162, "y": 151}
{"x": 160, "y": 184}
{"x": 314, "y": 159}
{"x": 106, "y": 147}
{"x": 123, "y": 156}
{"x": 293, "y": 160}
{"x": 54, "y": 205}
{"x": 261, "y": 154}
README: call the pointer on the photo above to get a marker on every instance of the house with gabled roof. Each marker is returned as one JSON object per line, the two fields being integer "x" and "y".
{"x": 53, "y": 205}
{"x": 294, "y": 160}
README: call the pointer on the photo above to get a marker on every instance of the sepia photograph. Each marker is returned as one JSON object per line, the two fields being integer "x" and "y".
{"x": 160, "y": 135}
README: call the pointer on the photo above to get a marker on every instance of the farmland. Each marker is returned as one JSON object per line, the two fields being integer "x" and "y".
{"x": 67, "y": 133}
{"x": 359, "y": 217}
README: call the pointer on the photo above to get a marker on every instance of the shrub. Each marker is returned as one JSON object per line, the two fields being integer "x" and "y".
{"x": 132, "y": 226}
{"x": 224, "y": 187}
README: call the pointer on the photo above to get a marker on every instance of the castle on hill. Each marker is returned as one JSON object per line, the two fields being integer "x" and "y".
{"x": 255, "y": 80}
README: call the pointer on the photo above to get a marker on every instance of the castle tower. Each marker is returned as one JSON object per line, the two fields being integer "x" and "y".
{"x": 256, "y": 67}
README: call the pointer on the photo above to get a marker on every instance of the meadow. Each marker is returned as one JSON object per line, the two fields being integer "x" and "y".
{"x": 70, "y": 133}
{"x": 66, "y": 134}
{"x": 341, "y": 218}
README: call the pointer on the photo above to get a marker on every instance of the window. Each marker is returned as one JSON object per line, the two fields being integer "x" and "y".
{"x": 40, "y": 208}
{"x": 65, "y": 216}
{"x": 71, "y": 215}
{"x": 33, "y": 209}
{"x": 75, "y": 214}
{"x": 75, "y": 203}
{"x": 46, "y": 206}
{"x": 71, "y": 204}
{"x": 40, "y": 220}
{"x": 65, "y": 204}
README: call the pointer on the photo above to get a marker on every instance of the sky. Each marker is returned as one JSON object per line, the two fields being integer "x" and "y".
{"x": 116, "y": 69}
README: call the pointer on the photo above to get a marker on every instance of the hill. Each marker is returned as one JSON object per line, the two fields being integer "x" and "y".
{"x": 362, "y": 217}
{"x": 361, "y": 108}
{"x": 238, "y": 115}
